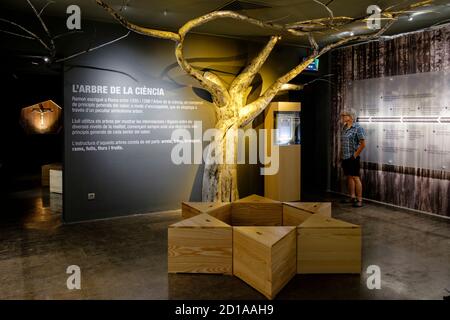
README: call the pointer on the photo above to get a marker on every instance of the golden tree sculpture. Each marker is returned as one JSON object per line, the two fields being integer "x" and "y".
{"x": 231, "y": 107}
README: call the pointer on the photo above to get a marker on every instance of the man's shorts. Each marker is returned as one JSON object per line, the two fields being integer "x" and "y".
{"x": 351, "y": 167}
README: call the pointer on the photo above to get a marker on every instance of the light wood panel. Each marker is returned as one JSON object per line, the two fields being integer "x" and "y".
{"x": 201, "y": 244}
{"x": 295, "y": 213}
{"x": 264, "y": 257}
{"x": 255, "y": 210}
{"x": 327, "y": 245}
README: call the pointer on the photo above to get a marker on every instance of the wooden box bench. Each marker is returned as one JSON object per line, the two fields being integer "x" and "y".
{"x": 201, "y": 244}
{"x": 219, "y": 210}
{"x": 327, "y": 245}
{"x": 295, "y": 213}
{"x": 264, "y": 257}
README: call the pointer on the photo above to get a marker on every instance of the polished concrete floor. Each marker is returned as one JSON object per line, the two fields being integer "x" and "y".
{"x": 126, "y": 258}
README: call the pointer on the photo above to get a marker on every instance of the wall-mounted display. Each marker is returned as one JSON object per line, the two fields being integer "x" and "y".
{"x": 406, "y": 118}
{"x": 41, "y": 118}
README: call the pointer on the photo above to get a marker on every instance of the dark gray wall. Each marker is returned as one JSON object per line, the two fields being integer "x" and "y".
{"x": 138, "y": 178}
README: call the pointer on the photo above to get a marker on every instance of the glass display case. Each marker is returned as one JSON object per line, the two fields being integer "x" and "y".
{"x": 288, "y": 125}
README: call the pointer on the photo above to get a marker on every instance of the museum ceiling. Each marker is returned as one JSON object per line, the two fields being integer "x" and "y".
{"x": 171, "y": 14}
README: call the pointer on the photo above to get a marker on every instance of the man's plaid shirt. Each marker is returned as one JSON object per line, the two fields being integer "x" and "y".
{"x": 350, "y": 138}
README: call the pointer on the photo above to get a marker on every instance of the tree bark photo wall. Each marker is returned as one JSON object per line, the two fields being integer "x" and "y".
{"x": 426, "y": 51}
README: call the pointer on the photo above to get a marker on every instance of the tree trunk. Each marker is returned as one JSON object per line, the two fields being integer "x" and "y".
{"x": 220, "y": 177}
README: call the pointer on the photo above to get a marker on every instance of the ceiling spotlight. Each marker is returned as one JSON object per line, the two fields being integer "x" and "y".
{"x": 410, "y": 18}
{"x": 46, "y": 59}
{"x": 125, "y": 4}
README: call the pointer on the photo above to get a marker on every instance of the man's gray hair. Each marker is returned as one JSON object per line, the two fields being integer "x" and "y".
{"x": 349, "y": 112}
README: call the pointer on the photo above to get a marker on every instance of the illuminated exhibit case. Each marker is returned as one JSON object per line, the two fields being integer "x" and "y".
{"x": 287, "y": 124}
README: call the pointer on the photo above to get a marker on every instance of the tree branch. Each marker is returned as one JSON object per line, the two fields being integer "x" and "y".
{"x": 45, "y": 6}
{"x": 252, "y": 110}
{"x": 29, "y": 32}
{"x": 245, "y": 78}
{"x": 65, "y": 34}
{"x": 313, "y": 43}
{"x": 291, "y": 87}
{"x": 210, "y": 81}
{"x": 218, "y": 88}
{"x": 93, "y": 48}
{"x": 358, "y": 37}
{"x": 320, "y": 24}
{"x": 236, "y": 16}
{"x": 330, "y": 12}
{"x": 44, "y": 26}
{"x": 141, "y": 30}
{"x": 17, "y": 34}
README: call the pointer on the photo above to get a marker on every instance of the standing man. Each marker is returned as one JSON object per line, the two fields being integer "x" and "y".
{"x": 352, "y": 144}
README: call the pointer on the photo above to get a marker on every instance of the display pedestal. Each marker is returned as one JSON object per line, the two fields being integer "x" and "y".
{"x": 327, "y": 245}
{"x": 201, "y": 244}
{"x": 264, "y": 257}
{"x": 285, "y": 184}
